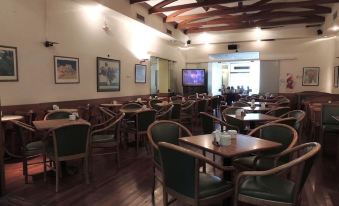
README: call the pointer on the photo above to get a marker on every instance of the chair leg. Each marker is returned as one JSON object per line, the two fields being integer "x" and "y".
{"x": 204, "y": 166}
{"x": 118, "y": 156}
{"x": 45, "y": 169}
{"x": 25, "y": 169}
{"x": 153, "y": 186}
{"x": 57, "y": 171}
{"x": 164, "y": 196}
{"x": 137, "y": 142}
{"x": 86, "y": 171}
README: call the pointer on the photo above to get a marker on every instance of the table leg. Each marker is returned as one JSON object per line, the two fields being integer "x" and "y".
{"x": 228, "y": 177}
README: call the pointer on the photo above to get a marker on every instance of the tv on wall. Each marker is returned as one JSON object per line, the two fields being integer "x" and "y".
{"x": 193, "y": 77}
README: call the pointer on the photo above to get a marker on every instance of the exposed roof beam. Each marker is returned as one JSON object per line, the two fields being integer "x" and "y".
{"x": 192, "y": 5}
{"x": 311, "y": 19}
{"x": 162, "y": 4}
{"x": 251, "y": 8}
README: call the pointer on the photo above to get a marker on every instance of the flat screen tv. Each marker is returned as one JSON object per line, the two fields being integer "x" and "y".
{"x": 193, "y": 77}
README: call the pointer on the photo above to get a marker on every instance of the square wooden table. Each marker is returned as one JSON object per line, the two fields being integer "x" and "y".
{"x": 50, "y": 124}
{"x": 254, "y": 117}
{"x": 241, "y": 145}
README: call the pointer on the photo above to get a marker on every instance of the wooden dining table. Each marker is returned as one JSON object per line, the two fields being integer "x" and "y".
{"x": 43, "y": 125}
{"x": 7, "y": 118}
{"x": 241, "y": 145}
{"x": 257, "y": 109}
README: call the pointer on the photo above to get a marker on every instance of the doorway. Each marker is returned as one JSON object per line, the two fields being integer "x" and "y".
{"x": 162, "y": 76}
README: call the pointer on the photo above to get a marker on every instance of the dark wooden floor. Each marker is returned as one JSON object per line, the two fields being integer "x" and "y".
{"x": 131, "y": 185}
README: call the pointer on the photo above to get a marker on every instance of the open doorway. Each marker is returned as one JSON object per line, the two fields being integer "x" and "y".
{"x": 162, "y": 76}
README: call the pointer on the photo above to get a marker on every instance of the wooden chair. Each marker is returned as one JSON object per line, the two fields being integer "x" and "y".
{"x": 57, "y": 114}
{"x": 68, "y": 142}
{"x": 277, "y": 112}
{"x": 269, "y": 188}
{"x": 29, "y": 147}
{"x": 165, "y": 113}
{"x": 107, "y": 136}
{"x": 290, "y": 121}
{"x": 163, "y": 131}
{"x": 300, "y": 117}
{"x": 328, "y": 124}
{"x": 106, "y": 114}
{"x": 144, "y": 119}
{"x": 176, "y": 98}
{"x": 209, "y": 122}
{"x": 176, "y": 112}
{"x": 153, "y": 104}
{"x": 187, "y": 113}
{"x": 232, "y": 121}
{"x": 286, "y": 135}
{"x": 240, "y": 104}
{"x": 183, "y": 181}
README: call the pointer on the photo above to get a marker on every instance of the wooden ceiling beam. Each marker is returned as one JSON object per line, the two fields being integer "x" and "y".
{"x": 251, "y": 8}
{"x": 162, "y": 4}
{"x": 307, "y": 20}
{"x": 192, "y": 5}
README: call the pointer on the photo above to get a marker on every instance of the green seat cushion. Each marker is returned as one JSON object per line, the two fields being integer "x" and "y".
{"x": 212, "y": 185}
{"x": 34, "y": 148}
{"x": 103, "y": 138}
{"x": 37, "y": 145}
{"x": 261, "y": 164}
{"x": 272, "y": 188}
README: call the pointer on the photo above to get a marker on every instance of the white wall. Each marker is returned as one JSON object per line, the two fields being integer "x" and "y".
{"x": 294, "y": 55}
{"x": 78, "y": 29}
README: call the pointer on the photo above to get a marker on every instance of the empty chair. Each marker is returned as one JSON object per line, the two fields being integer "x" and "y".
{"x": 68, "y": 142}
{"x": 271, "y": 189}
{"x": 281, "y": 133}
{"x": 290, "y": 121}
{"x": 165, "y": 113}
{"x": 176, "y": 112}
{"x": 283, "y": 102}
{"x": 106, "y": 114}
{"x": 107, "y": 136}
{"x": 57, "y": 114}
{"x": 209, "y": 122}
{"x": 163, "y": 131}
{"x": 153, "y": 104}
{"x": 176, "y": 98}
{"x": 240, "y": 104}
{"x": 29, "y": 148}
{"x": 277, "y": 112}
{"x": 187, "y": 113}
{"x": 328, "y": 124}
{"x": 144, "y": 118}
{"x": 300, "y": 117}
{"x": 183, "y": 181}
{"x": 233, "y": 121}
{"x": 214, "y": 104}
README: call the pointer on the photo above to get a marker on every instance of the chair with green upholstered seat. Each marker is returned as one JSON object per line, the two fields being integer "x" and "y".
{"x": 68, "y": 142}
{"x": 271, "y": 189}
{"x": 327, "y": 123}
{"x": 286, "y": 135}
{"x": 233, "y": 121}
{"x": 290, "y": 121}
{"x": 107, "y": 136}
{"x": 144, "y": 118}
{"x": 163, "y": 131}
{"x": 277, "y": 112}
{"x": 187, "y": 113}
{"x": 209, "y": 122}
{"x": 176, "y": 112}
{"x": 57, "y": 114}
{"x": 165, "y": 113}
{"x": 183, "y": 181}
{"x": 300, "y": 116}
{"x": 30, "y": 148}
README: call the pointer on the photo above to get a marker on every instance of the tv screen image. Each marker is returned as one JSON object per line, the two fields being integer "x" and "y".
{"x": 193, "y": 77}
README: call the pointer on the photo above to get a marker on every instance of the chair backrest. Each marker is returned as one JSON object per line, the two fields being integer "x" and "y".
{"x": 144, "y": 118}
{"x": 153, "y": 104}
{"x": 57, "y": 114}
{"x": 281, "y": 133}
{"x": 176, "y": 111}
{"x": 70, "y": 140}
{"x": 176, "y": 97}
{"x": 166, "y": 113}
{"x": 131, "y": 106}
{"x": 20, "y": 128}
{"x": 277, "y": 112}
{"x": 327, "y": 111}
{"x": 298, "y": 114}
{"x": 180, "y": 170}
{"x": 202, "y": 105}
{"x": 240, "y": 104}
{"x": 106, "y": 113}
{"x": 165, "y": 131}
{"x": 189, "y": 106}
{"x": 215, "y": 102}
{"x": 209, "y": 121}
{"x": 229, "y": 110}
{"x": 290, "y": 121}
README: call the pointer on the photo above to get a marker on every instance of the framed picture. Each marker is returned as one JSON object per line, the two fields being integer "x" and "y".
{"x": 336, "y": 76}
{"x": 311, "y": 76}
{"x": 66, "y": 70}
{"x": 140, "y": 73}
{"x": 108, "y": 75}
{"x": 8, "y": 64}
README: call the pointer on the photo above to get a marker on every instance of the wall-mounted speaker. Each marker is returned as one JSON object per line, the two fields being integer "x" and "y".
{"x": 232, "y": 47}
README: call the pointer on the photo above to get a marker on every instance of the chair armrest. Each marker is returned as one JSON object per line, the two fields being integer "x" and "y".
{"x": 102, "y": 124}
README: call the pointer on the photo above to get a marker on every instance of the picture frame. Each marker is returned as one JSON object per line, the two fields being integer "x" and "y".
{"x": 8, "y": 64}
{"x": 66, "y": 70}
{"x": 140, "y": 73}
{"x": 336, "y": 77}
{"x": 310, "y": 76}
{"x": 108, "y": 75}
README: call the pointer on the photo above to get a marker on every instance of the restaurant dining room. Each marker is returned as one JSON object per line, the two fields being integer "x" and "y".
{"x": 169, "y": 102}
